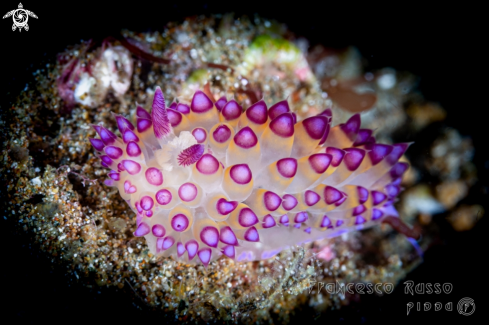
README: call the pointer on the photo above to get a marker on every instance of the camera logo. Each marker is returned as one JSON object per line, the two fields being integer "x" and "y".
{"x": 466, "y": 306}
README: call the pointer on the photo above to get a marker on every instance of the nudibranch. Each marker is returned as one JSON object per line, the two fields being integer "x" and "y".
{"x": 207, "y": 179}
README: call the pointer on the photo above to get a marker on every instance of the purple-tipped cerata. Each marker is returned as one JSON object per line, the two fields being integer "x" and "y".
{"x": 204, "y": 181}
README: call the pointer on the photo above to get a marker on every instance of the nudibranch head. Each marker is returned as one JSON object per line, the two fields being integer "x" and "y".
{"x": 206, "y": 179}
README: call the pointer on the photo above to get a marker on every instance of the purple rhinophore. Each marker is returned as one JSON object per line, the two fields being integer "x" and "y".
{"x": 231, "y": 110}
{"x": 247, "y": 217}
{"x": 201, "y": 103}
{"x": 220, "y": 103}
{"x": 225, "y": 207}
{"x": 245, "y": 138}
{"x": 229, "y": 251}
{"x": 398, "y": 169}
{"x": 351, "y": 127}
{"x": 283, "y": 125}
{"x": 175, "y": 117}
{"x": 97, "y": 144}
{"x": 190, "y": 155}
{"x": 187, "y": 192}
{"x": 192, "y": 246}
{"x": 129, "y": 136}
{"x": 147, "y": 203}
{"x": 115, "y": 176}
{"x": 142, "y": 230}
{"x": 143, "y": 124}
{"x": 268, "y": 221}
{"x": 319, "y": 162}
{"x": 332, "y": 195}
{"x": 337, "y": 155}
{"x": 289, "y": 202}
{"x": 353, "y": 158}
{"x": 326, "y": 222}
{"x": 142, "y": 113}
{"x": 106, "y": 160}
{"x": 205, "y": 256}
{"x": 301, "y": 217}
{"x": 378, "y": 152}
{"x": 362, "y": 194}
{"x": 154, "y": 176}
{"x": 133, "y": 149}
{"x": 315, "y": 126}
{"x": 207, "y": 164}
{"x": 123, "y": 123}
{"x": 251, "y": 235}
{"x": 158, "y": 231}
{"x": 179, "y": 222}
{"x": 199, "y": 134}
{"x": 278, "y": 109}
{"x": 113, "y": 152}
{"x": 358, "y": 210}
{"x": 221, "y": 134}
{"x": 129, "y": 188}
{"x": 180, "y": 249}
{"x": 311, "y": 198}
{"x": 159, "y": 115}
{"x": 258, "y": 112}
{"x": 339, "y": 223}
{"x": 183, "y": 108}
{"x": 397, "y": 151}
{"x": 227, "y": 236}
{"x": 287, "y": 167}
{"x": 272, "y": 201}
{"x": 163, "y": 197}
{"x": 378, "y": 197}
{"x": 240, "y": 174}
{"x": 392, "y": 190}
{"x": 210, "y": 236}
{"x": 284, "y": 220}
{"x": 376, "y": 214}
{"x": 360, "y": 220}
{"x": 362, "y": 137}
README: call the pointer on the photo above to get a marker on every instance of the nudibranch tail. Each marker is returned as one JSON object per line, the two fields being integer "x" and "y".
{"x": 206, "y": 179}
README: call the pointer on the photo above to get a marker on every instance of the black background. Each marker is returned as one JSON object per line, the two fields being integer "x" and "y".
{"x": 443, "y": 45}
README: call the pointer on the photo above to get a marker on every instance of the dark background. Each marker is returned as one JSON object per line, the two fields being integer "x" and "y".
{"x": 442, "y": 45}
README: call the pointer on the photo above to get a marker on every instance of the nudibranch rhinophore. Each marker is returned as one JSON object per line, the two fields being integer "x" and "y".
{"x": 207, "y": 179}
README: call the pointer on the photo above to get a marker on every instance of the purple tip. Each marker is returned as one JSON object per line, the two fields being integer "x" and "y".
{"x": 231, "y": 110}
{"x": 340, "y": 202}
{"x": 109, "y": 182}
{"x": 362, "y": 194}
{"x": 180, "y": 249}
{"x": 311, "y": 198}
{"x": 392, "y": 190}
{"x": 158, "y": 231}
{"x": 183, "y": 108}
{"x": 133, "y": 149}
{"x": 362, "y": 137}
{"x": 301, "y": 217}
{"x": 221, "y": 134}
{"x": 337, "y": 155}
{"x": 142, "y": 113}
{"x": 190, "y": 155}
{"x": 278, "y": 109}
{"x": 358, "y": 210}
{"x": 308, "y": 230}
{"x": 252, "y": 235}
{"x": 325, "y": 134}
{"x": 132, "y": 167}
{"x": 294, "y": 117}
{"x": 199, "y": 134}
{"x": 192, "y": 247}
{"x": 315, "y": 126}
{"x": 397, "y": 151}
{"x": 399, "y": 169}
{"x": 378, "y": 152}
{"x": 272, "y": 201}
{"x": 320, "y": 162}
{"x": 163, "y": 197}
{"x": 205, "y": 256}
{"x": 187, "y": 192}
{"x": 123, "y": 124}
{"x": 97, "y": 144}
{"x": 162, "y": 244}
{"x": 229, "y": 251}
{"x": 220, "y": 103}
{"x": 378, "y": 197}
{"x": 268, "y": 221}
{"x": 332, "y": 195}
{"x": 228, "y": 237}
{"x": 143, "y": 124}
{"x": 173, "y": 105}
{"x": 142, "y": 230}
{"x": 246, "y": 138}
{"x": 115, "y": 176}
{"x": 257, "y": 113}
{"x": 207, "y": 164}
{"x": 129, "y": 136}
{"x": 240, "y": 174}
{"x": 327, "y": 112}
{"x": 138, "y": 207}
{"x": 339, "y": 223}
{"x": 179, "y": 222}
{"x": 106, "y": 136}
{"x": 225, "y": 207}
{"x": 154, "y": 176}
{"x": 326, "y": 222}
{"x": 174, "y": 117}
{"x": 113, "y": 152}
{"x": 247, "y": 217}
{"x": 106, "y": 160}
{"x": 353, "y": 158}
{"x": 129, "y": 188}
{"x": 149, "y": 213}
{"x": 146, "y": 203}
{"x": 284, "y": 220}
{"x": 283, "y": 125}
{"x": 289, "y": 202}
{"x": 201, "y": 103}
{"x": 376, "y": 214}
{"x": 352, "y": 126}
{"x": 287, "y": 167}
{"x": 210, "y": 236}
{"x": 360, "y": 220}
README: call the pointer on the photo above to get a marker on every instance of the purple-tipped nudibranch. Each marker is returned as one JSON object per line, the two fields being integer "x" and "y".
{"x": 207, "y": 179}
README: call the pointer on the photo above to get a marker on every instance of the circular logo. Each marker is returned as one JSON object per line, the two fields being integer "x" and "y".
{"x": 466, "y": 306}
